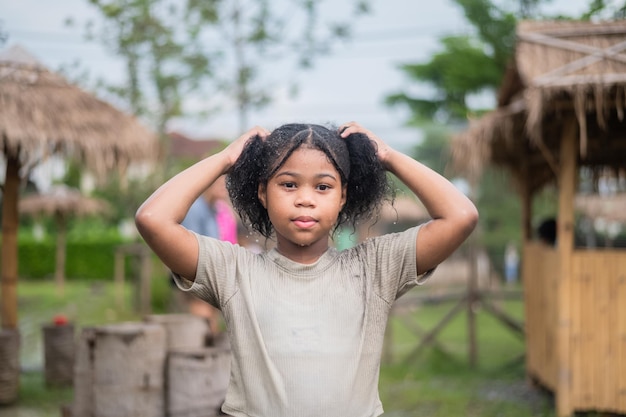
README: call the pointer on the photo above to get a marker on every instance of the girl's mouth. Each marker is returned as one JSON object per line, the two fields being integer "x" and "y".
{"x": 304, "y": 222}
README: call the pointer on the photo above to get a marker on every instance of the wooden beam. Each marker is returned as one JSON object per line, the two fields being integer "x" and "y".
{"x": 565, "y": 245}
{"x": 430, "y": 336}
{"x": 611, "y": 53}
{"x": 526, "y": 200}
{"x": 580, "y": 79}
{"x": 585, "y": 31}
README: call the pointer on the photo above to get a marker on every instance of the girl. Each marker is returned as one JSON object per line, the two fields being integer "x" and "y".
{"x": 305, "y": 322}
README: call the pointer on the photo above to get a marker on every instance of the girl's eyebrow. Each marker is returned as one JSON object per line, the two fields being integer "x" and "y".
{"x": 297, "y": 175}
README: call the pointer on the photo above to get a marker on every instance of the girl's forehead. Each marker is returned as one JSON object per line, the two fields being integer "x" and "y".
{"x": 305, "y": 159}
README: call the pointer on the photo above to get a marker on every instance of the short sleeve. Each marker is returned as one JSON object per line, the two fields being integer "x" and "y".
{"x": 215, "y": 279}
{"x": 392, "y": 263}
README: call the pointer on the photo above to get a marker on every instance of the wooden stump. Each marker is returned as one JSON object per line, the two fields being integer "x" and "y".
{"x": 197, "y": 381}
{"x": 9, "y": 365}
{"x": 182, "y": 330}
{"x": 59, "y": 344}
{"x": 120, "y": 371}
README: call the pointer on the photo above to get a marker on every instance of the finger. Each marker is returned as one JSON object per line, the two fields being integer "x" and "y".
{"x": 349, "y": 128}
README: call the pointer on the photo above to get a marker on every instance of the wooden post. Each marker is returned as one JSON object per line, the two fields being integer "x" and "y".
{"x": 119, "y": 276}
{"x": 527, "y": 201}
{"x": 61, "y": 253}
{"x": 565, "y": 245}
{"x": 472, "y": 300}
{"x": 145, "y": 286}
{"x": 10, "y": 223}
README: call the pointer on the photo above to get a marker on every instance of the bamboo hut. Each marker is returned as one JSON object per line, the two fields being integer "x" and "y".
{"x": 41, "y": 115}
{"x": 561, "y": 113}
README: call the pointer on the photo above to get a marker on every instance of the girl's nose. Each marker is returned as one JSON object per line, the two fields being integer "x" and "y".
{"x": 305, "y": 198}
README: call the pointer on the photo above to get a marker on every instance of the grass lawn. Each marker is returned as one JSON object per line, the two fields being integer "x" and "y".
{"x": 437, "y": 383}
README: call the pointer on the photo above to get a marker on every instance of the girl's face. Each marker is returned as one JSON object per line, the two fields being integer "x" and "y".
{"x": 303, "y": 200}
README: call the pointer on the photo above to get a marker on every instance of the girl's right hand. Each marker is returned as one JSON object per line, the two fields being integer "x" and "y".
{"x": 234, "y": 149}
{"x": 382, "y": 149}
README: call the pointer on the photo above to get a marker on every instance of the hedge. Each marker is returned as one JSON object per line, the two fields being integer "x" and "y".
{"x": 93, "y": 260}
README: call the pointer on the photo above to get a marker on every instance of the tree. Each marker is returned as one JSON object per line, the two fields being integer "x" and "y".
{"x": 262, "y": 31}
{"x": 605, "y": 10}
{"x": 204, "y": 51}
{"x": 160, "y": 46}
{"x": 178, "y": 51}
{"x": 461, "y": 69}
{"x": 468, "y": 65}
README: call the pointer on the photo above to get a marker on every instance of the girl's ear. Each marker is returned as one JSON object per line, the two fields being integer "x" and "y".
{"x": 262, "y": 194}
{"x": 344, "y": 196}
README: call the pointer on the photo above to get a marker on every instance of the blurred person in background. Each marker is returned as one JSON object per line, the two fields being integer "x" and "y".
{"x": 210, "y": 215}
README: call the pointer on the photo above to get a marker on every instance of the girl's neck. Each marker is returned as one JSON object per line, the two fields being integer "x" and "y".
{"x": 302, "y": 254}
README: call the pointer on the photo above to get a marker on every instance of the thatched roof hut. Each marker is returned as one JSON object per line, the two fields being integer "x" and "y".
{"x": 42, "y": 114}
{"x": 561, "y": 111}
{"x": 61, "y": 203}
{"x": 561, "y": 69}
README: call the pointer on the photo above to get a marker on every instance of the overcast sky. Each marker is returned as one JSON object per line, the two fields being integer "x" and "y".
{"x": 350, "y": 84}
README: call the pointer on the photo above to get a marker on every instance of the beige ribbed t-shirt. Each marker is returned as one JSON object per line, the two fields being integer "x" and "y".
{"x": 306, "y": 339}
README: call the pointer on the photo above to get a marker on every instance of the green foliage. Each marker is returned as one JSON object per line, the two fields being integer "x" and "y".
{"x": 432, "y": 151}
{"x": 158, "y": 41}
{"x": 127, "y": 196}
{"x": 495, "y": 28}
{"x": 89, "y": 260}
{"x": 605, "y": 10}
{"x": 161, "y": 292}
{"x": 500, "y": 215}
{"x": 460, "y": 69}
{"x": 465, "y": 64}
{"x": 34, "y": 394}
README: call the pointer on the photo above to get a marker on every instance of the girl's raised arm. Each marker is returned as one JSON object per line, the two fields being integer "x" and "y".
{"x": 453, "y": 215}
{"x": 159, "y": 217}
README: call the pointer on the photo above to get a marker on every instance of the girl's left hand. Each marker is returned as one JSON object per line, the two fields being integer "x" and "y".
{"x": 234, "y": 149}
{"x": 382, "y": 149}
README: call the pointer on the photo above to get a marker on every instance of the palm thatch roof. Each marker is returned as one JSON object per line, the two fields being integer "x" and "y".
{"x": 562, "y": 71}
{"x": 41, "y": 114}
{"x": 62, "y": 201}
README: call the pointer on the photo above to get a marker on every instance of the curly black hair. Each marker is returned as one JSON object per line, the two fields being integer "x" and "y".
{"x": 354, "y": 158}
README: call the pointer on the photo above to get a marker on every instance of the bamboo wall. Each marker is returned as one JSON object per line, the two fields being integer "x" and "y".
{"x": 597, "y": 333}
{"x": 540, "y": 271}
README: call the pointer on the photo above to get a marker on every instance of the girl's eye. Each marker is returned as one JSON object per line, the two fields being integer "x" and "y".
{"x": 289, "y": 185}
{"x": 323, "y": 187}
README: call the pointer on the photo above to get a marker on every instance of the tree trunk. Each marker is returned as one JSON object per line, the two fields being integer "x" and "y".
{"x": 9, "y": 365}
{"x": 120, "y": 371}
{"x": 182, "y": 330}
{"x": 197, "y": 381}
{"x": 10, "y": 223}
{"x": 58, "y": 341}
